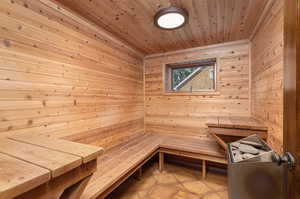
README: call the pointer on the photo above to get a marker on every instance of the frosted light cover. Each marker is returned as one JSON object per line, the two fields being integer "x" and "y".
{"x": 171, "y": 20}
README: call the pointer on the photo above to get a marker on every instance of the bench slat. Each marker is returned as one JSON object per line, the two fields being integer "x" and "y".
{"x": 247, "y": 123}
{"x": 120, "y": 160}
{"x": 86, "y": 152}
{"x": 204, "y": 147}
{"x": 18, "y": 177}
{"x": 125, "y": 160}
{"x": 57, "y": 162}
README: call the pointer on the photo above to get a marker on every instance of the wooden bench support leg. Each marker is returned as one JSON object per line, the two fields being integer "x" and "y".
{"x": 138, "y": 174}
{"x": 67, "y": 186}
{"x": 161, "y": 161}
{"x": 203, "y": 169}
{"x": 75, "y": 191}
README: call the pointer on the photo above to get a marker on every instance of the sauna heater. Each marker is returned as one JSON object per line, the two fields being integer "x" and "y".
{"x": 255, "y": 171}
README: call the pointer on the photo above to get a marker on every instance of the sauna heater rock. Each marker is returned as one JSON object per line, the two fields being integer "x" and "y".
{"x": 253, "y": 170}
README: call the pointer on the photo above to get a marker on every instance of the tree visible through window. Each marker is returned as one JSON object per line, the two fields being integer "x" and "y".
{"x": 181, "y": 73}
{"x": 191, "y": 76}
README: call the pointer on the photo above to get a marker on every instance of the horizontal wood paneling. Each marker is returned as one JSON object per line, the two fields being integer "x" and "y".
{"x": 267, "y": 74}
{"x": 187, "y": 114}
{"x": 63, "y": 77}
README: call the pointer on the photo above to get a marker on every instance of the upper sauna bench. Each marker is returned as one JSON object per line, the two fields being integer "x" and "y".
{"x": 229, "y": 129}
{"x": 39, "y": 167}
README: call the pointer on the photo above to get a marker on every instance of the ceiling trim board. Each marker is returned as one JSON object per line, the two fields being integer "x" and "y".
{"x": 244, "y": 41}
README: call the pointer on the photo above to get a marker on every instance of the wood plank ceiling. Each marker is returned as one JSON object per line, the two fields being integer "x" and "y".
{"x": 210, "y": 22}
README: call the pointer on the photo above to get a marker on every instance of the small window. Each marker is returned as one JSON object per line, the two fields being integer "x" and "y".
{"x": 194, "y": 76}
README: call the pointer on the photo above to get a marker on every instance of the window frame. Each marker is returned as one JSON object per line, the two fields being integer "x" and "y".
{"x": 167, "y": 76}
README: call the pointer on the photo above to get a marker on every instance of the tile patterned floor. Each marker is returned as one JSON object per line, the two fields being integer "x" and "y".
{"x": 176, "y": 182}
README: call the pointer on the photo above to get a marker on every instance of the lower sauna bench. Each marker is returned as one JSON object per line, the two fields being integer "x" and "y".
{"x": 120, "y": 162}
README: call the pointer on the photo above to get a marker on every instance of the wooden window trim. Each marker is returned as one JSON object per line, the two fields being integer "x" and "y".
{"x": 167, "y": 81}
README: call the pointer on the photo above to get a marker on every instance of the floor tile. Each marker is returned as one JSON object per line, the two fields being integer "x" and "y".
{"x": 163, "y": 192}
{"x": 165, "y": 178}
{"x": 211, "y": 196}
{"x": 197, "y": 187}
{"x": 143, "y": 184}
{"x": 223, "y": 194}
{"x": 175, "y": 182}
{"x": 184, "y": 176}
{"x": 185, "y": 195}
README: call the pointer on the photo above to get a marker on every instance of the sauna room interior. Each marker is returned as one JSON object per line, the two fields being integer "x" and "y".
{"x": 149, "y": 99}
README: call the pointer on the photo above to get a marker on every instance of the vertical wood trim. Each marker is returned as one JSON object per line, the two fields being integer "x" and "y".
{"x": 217, "y": 74}
{"x": 144, "y": 92}
{"x": 165, "y": 86}
{"x": 291, "y": 90}
{"x": 250, "y": 78}
{"x": 290, "y": 76}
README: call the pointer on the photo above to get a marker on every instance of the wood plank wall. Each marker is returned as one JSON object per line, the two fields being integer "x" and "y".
{"x": 187, "y": 114}
{"x": 63, "y": 77}
{"x": 267, "y": 74}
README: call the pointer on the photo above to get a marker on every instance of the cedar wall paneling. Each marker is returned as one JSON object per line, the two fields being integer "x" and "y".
{"x": 187, "y": 115}
{"x": 267, "y": 74}
{"x": 62, "y": 77}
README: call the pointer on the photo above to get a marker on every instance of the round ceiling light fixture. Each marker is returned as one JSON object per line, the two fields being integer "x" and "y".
{"x": 171, "y": 18}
